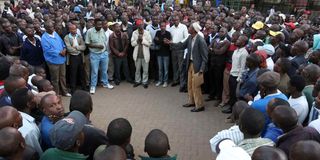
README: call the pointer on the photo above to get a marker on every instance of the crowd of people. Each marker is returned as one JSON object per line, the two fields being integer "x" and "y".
{"x": 262, "y": 68}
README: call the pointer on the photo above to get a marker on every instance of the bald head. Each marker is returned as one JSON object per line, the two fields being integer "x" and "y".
{"x": 72, "y": 29}
{"x": 10, "y": 117}
{"x": 284, "y": 117}
{"x": 111, "y": 153}
{"x": 306, "y": 150}
{"x": 268, "y": 153}
{"x": 11, "y": 142}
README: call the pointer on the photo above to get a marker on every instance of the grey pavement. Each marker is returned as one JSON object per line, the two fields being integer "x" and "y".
{"x": 161, "y": 108}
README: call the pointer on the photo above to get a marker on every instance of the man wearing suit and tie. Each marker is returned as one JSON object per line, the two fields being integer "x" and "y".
{"x": 196, "y": 60}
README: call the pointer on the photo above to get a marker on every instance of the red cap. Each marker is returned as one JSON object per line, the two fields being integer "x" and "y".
{"x": 139, "y": 22}
{"x": 291, "y": 25}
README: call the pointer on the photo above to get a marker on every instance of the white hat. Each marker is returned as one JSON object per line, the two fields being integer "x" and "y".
{"x": 196, "y": 26}
{"x": 268, "y": 48}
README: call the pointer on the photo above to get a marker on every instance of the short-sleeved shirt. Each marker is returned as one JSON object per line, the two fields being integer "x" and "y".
{"x": 96, "y": 37}
{"x": 55, "y": 153}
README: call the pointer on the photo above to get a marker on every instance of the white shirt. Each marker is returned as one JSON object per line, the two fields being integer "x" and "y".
{"x": 153, "y": 30}
{"x": 179, "y": 34}
{"x": 108, "y": 33}
{"x": 238, "y": 62}
{"x": 30, "y": 132}
{"x": 300, "y": 105}
{"x": 232, "y": 133}
{"x": 270, "y": 63}
{"x": 315, "y": 124}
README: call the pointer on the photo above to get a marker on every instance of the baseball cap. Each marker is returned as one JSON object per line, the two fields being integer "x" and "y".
{"x": 274, "y": 33}
{"x": 291, "y": 25}
{"x": 269, "y": 79}
{"x": 258, "y": 25}
{"x": 64, "y": 133}
{"x": 268, "y": 48}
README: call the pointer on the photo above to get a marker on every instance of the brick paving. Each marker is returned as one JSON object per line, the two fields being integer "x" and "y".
{"x": 161, "y": 108}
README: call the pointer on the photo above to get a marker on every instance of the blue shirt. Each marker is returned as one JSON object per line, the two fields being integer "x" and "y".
{"x": 262, "y": 104}
{"x": 249, "y": 85}
{"x": 45, "y": 127}
{"x": 272, "y": 132}
{"x": 52, "y": 46}
{"x": 33, "y": 54}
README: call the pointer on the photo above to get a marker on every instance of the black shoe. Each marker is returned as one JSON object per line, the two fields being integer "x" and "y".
{"x": 183, "y": 90}
{"x": 136, "y": 84}
{"x": 116, "y": 83}
{"x": 174, "y": 84}
{"x": 227, "y": 111}
{"x": 198, "y": 110}
{"x": 145, "y": 86}
{"x": 188, "y": 105}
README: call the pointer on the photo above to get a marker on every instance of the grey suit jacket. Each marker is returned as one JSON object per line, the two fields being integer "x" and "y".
{"x": 199, "y": 52}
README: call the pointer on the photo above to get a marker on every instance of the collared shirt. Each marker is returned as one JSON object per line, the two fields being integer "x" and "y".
{"x": 192, "y": 45}
{"x": 30, "y": 132}
{"x": 96, "y": 37}
{"x": 232, "y": 133}
{"x": 55, "y": 153}
{"x": 250, "y": 144}
{"x": 52, "y": 45}
{"x": 272, "y": 132}
{"x": 153, "y": 30}
{"x": 179, "y": 33}
{"x": 238, "y": 62}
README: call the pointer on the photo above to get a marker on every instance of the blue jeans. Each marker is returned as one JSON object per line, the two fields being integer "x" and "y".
{"x": 99, "y": 61}
{"x": 163, "y": 63}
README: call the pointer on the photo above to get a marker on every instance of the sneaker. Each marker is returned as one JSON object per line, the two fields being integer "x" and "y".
{"x": 67, "y": 95}
{"x": 165, "y": 84}
{"x": 158, "y": 84}
{"x": 109, "y": 86}
{"x": 92, "y": 90}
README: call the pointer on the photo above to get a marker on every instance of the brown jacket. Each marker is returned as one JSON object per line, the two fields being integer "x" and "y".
{"x": 114, "y": 44}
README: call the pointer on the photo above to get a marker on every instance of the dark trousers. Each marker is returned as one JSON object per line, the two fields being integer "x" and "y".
{"x": 216, "y": 80}
{"x": 76, "y": 69}
{"x": 232, "y": 87}
{"x": 183, "y": 75}
{"x": 131, "y": 64}
{"x": 153, "y": 66}
{"x": 177, "y": 65}
{"x": 118, "y": 63}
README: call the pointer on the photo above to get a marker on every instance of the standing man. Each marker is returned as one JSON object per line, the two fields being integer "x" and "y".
{"x": 179, "y": 33}
{"x": 196, "y": 60}
{"x": 54, "y": 51}
{"x": 153, "y": 28}
{"x": 10, "y": 41}
{"x": 75, "y": 50}
{"x": 31, "y": 49}
{"x": 141, "y": 41}
{"x": 108, "y": 31}
{"x": 96, "y": 41}
{"x": 118, "y": 43}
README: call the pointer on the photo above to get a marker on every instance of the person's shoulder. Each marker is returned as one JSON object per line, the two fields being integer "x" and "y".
{"x": 49, "y": 154}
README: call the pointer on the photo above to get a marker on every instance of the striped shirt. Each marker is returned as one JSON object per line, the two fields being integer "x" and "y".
{"x": 249, "y": 145}
{"x": 232, "y": 133}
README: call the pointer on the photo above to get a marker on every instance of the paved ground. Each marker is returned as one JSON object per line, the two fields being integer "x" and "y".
{"x": 146, "y": 109}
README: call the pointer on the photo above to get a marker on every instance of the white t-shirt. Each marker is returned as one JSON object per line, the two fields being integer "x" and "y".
{"x": 300, "y": 105}
{"x": 315, "y": 124}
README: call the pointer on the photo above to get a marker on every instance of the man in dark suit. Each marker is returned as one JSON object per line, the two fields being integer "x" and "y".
{"x": 196, "y": 60}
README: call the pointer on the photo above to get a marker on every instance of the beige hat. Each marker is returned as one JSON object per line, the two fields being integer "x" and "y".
{"x": 269, "y": 79}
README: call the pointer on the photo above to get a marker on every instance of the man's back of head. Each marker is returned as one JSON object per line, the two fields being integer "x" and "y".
{"x": 306, "y": 150}
{"x": 111, "y": 153}
{"x": 10, "y": 117}
{"x": 119, "y": 132}
{"x": 268, "y": 153}
{"x": 82, "y": 102}
{"x": 284, "y": 117}
{"x": 11, "y": 143}
{"x": 157, "y": 144}
{"x": 251, "y": 122}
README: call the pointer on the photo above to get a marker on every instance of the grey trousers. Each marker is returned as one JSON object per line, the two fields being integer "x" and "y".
{"x": 58, "y": 78}
{"x": 177, "y": 61}
{"x": 140, "y": 62}
{"x": 110, "y": 67}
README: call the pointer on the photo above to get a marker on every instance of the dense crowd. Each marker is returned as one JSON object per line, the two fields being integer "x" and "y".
{"x": 262, "y": 68}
